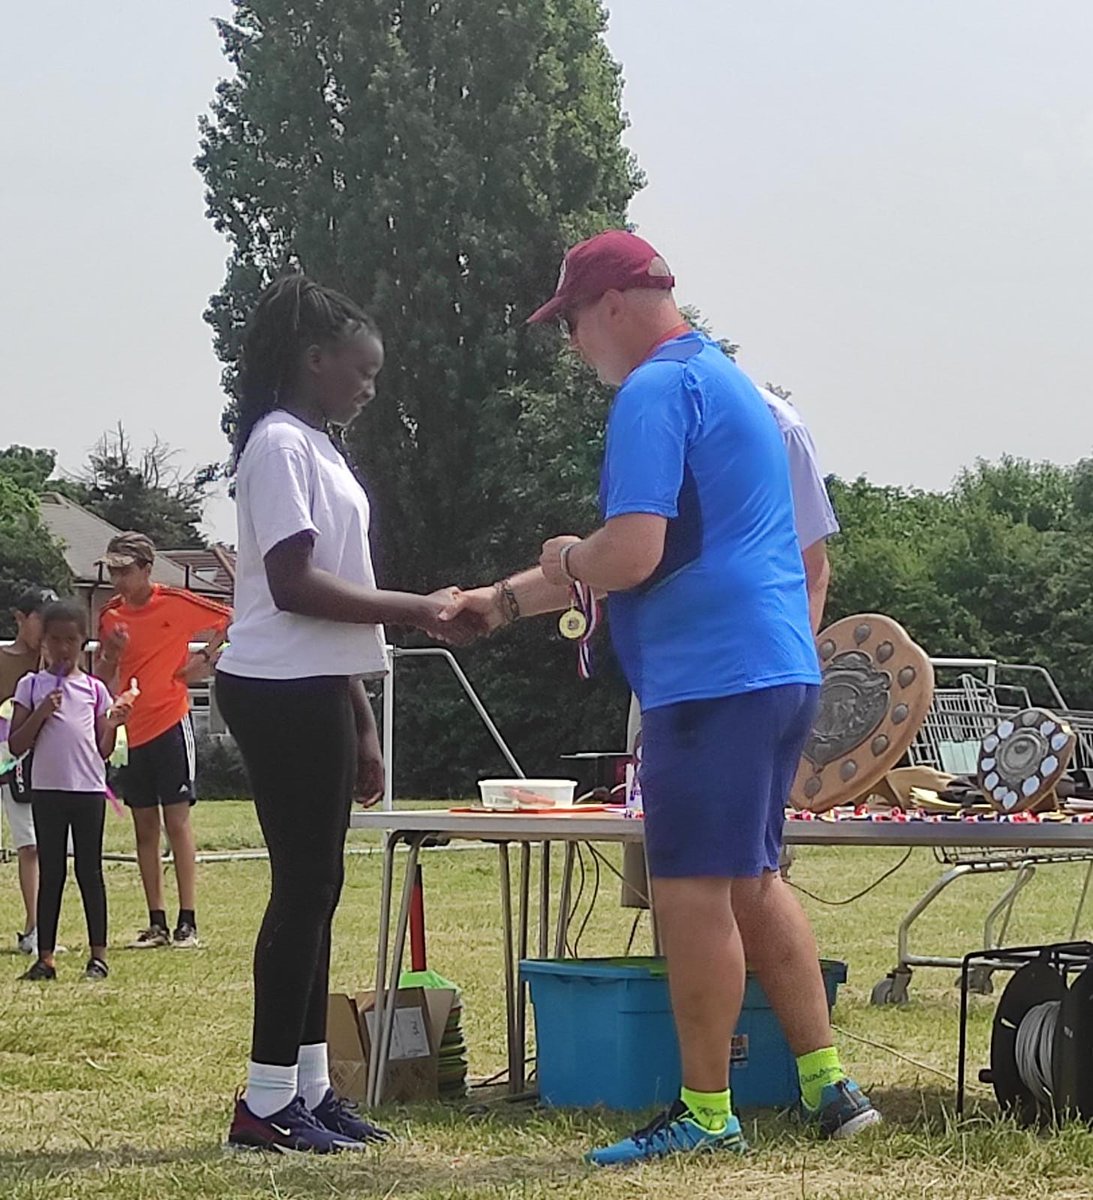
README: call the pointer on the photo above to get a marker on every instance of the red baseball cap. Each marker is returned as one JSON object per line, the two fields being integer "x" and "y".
{"x": 614, "y": 260}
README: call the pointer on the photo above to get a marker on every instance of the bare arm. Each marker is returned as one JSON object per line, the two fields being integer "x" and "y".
{"x": 27, "y": 724}
{"x": 817, "y": 579}
{"x": 201, "y": 664}
{"x": 370, "y": 769}
{"x": 106, "y": 734}
{"x": 620, "y": 555}
{"x": 107, "y": 664}
{"x": 362, "y": 709}
{"x": 535, "y": 595}
{"x": 298, "y": 586}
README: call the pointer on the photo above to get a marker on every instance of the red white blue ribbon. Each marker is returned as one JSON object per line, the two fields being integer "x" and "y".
{"x": 584, "y": 599}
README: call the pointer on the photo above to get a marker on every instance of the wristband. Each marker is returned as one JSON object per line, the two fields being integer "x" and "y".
{"x": 563, "y": 562}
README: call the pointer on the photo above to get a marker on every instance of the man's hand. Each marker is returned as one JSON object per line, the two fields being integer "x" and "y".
{"x": 370, "y": 774}
{"x": 478, "y": 607}
{"x": 550, "y": 561}
{"x": 196, "y": 668}
{"x": 111, "y": 649}
{"x": 113, "y": 645}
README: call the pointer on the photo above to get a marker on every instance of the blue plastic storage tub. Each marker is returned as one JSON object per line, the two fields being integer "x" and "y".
{"x": 604, "y": 1035}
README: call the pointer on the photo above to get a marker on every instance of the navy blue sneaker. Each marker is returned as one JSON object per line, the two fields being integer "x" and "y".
{"x": 673, "y": 1132}
{"x": 340, "y": 1117}
{"x": 39, "y": 971}
{"x": 292, "y": 1130}
{"x": 844, "y": 1110}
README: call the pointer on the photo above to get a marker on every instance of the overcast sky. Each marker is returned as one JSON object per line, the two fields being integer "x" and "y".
{"x": 888, "y": 205}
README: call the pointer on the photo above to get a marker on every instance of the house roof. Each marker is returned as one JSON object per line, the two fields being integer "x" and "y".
{"x": 215, "y": 563}
{"x": 84, "y": 537}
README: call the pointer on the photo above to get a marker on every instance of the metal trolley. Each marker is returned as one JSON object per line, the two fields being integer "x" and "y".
{"x": 977, "y": 694}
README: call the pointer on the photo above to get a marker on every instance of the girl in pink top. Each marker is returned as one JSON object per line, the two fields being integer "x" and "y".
{"x": 66, "y": 720}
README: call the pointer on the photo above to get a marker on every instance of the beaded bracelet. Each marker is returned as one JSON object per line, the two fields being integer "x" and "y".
{"x": 506, "y": 601}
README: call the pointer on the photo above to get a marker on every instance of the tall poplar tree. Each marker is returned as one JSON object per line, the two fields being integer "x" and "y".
{"x": 433, "y": 160}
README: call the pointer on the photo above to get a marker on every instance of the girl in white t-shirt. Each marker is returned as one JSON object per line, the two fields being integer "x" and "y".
{"x": 308, "y": 627}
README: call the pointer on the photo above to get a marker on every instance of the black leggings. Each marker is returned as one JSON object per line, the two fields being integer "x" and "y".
{"x": 55, "y": 813}
{"x": 298, "y": 738}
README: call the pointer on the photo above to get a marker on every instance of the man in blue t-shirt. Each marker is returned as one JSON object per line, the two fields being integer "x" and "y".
{"x": 709, "y": 618}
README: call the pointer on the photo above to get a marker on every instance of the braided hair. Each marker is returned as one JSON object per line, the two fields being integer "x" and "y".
{"x": 294, "y": 312}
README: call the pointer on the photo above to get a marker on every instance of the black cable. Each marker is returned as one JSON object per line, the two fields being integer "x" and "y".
{"x": 619, "y": 875}
{"x": 1034, "y": 1049}
{"x": 576, "y": 903}
{"x": 864, "y": 892}
{"x": 499, "y": 1077}
{"x": 633, "y": 933}
{"x": 591, "y": 904}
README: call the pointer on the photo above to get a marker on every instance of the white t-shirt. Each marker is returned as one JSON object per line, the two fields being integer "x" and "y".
{"x": 292, "y": 479}
{"x": 813, "y": 515}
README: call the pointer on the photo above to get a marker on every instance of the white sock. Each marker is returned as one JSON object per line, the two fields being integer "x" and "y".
{"x": 314, "y": 1074}
{"x": 269, "y": 1088}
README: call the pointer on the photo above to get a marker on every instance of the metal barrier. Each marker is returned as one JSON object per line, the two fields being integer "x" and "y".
{"x": 394, "y": 653}
{"x": 203, "y": 701}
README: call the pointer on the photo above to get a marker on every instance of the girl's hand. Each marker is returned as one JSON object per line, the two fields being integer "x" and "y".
{"x": 448, "y": 620}
{"x": 118, "y": 713}
{"x": 481, "y": 606}
{"x": 49, "y": 705}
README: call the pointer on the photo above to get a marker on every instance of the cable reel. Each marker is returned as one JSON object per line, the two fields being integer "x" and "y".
{"x": 1042, "y": 1039}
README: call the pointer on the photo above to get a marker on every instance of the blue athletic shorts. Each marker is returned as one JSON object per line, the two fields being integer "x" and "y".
{"x": 715, "y": 778}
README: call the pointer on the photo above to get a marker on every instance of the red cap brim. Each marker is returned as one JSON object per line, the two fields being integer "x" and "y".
{"x": 549, "y": 311}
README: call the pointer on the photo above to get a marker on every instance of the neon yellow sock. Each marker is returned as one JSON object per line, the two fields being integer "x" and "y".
{"x": 816, "y": 1071}
{"x": 711, "y": 1110}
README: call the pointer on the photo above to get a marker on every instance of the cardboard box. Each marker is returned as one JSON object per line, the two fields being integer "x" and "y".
{"x": 412, "y": 1069}
{"x": 348, "y": 1065}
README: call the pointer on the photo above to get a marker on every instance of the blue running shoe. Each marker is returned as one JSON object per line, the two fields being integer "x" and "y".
{"x": 673, "y": 1132}
{"x": 340, "y": 1117}
{"x": 844, "y": 1110}
{"x": 293, "y": 1129}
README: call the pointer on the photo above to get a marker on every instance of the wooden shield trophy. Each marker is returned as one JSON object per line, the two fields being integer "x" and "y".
{"x": 877, "y": 687}
{"x": 1023, "y": 758}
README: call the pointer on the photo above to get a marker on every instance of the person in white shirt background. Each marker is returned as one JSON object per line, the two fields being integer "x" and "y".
{"x": 813, "y": 515}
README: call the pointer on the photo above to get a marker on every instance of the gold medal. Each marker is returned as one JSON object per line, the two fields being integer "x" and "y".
{"x": 573, "y": 624}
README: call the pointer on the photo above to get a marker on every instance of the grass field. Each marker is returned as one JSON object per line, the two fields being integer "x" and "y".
{"x": 123, "y": 1089}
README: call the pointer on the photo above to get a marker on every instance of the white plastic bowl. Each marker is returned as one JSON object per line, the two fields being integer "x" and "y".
{"x": 527, "y": 793}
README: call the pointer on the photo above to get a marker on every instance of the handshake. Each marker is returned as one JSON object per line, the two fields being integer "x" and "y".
{"x": 460, "y": 617}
